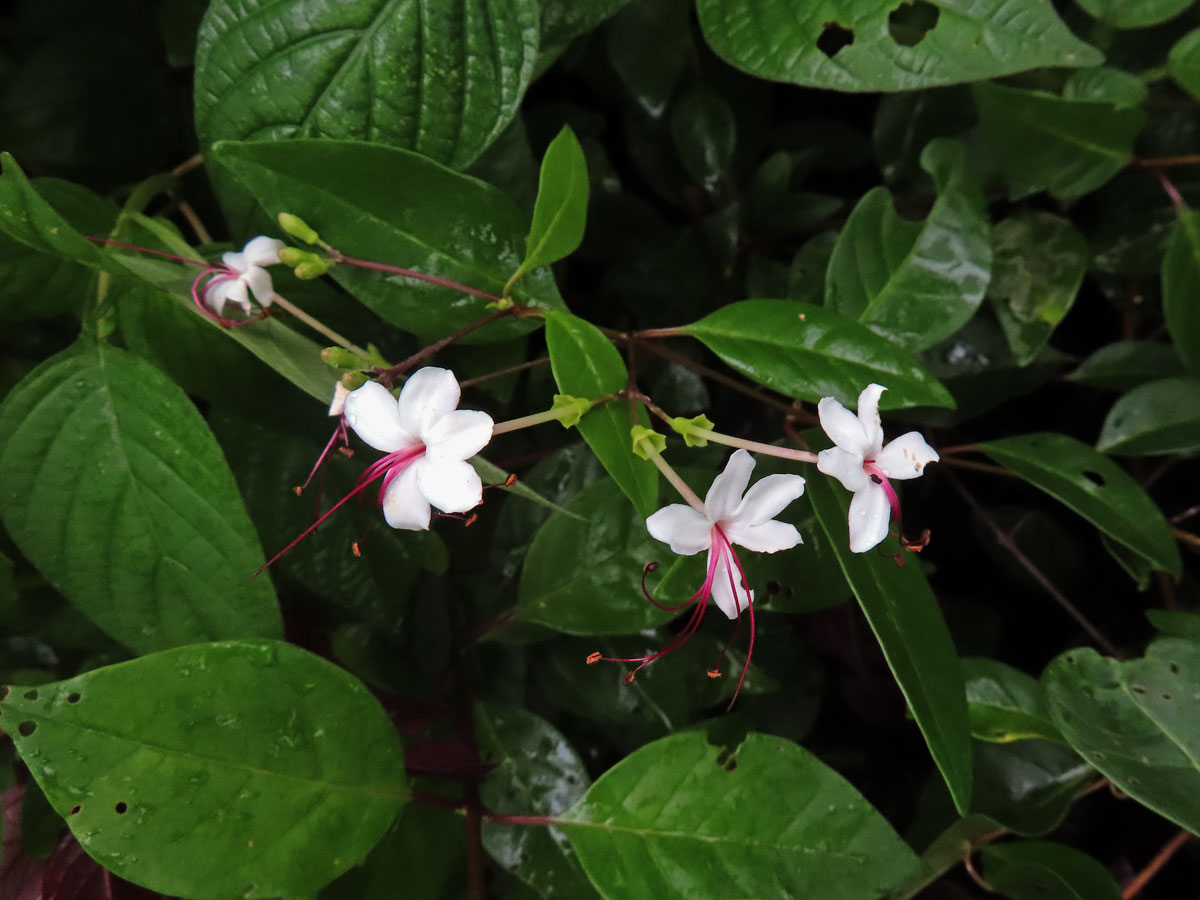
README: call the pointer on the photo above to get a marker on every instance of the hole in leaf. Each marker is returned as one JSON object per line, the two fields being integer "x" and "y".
{"x": 774, "y": 587}
{"x": 833, "y": 38}
{"x": 121, "y": 808}
{"x": 31, "y": 695}
{"x": 1094, "y": 477}
{"x": 1070, "y": 659}
{"x": 25, "y": 729}
{"x": 1138, "y": 689}
{"x": 75, "y": 809}
{"x": 910, "y": 22}
{"x": 731, "y": 764}
{"x": 1174, "y": 667}
{"x": 74, "y": 698}
{"x": 1166, "y": 696}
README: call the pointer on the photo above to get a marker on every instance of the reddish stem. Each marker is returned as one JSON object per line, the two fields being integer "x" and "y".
{"x": 1160, "y": 859}
{"x": 387, "y": 375}
{"x": 412, "y": 273}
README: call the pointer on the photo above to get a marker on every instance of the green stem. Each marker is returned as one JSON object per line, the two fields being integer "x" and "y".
{"x": 676, "y": 482}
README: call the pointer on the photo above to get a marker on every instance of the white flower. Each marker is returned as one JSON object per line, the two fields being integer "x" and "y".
{"x": 337, "y": 405}
{"x": 428, "y": 441}
{"x": 245, "y": 271}
{"x": 866, "y": 467}
{"x": 731, "y": 518}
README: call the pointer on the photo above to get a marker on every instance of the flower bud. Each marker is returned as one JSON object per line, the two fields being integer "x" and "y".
{"x": 340, "y": 358}
{"x": 298, "y": 228}
{"x": 314, "y": 268}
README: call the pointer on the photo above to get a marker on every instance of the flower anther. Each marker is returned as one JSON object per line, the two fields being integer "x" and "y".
{"x": 867, "y": 468}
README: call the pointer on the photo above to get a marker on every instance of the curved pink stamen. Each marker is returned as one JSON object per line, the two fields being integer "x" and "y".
{"x": 880, "y": 479}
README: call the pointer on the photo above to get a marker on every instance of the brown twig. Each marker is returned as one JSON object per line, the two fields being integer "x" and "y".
{"x": 500, "y": 373}
{"x": 719, "y": 377}
{"x": 386, "y": 375}
{"x": 1186, "y": 537}
{"x": 1160, "y": 859}
{"x": 1185, "y": 515}
{"x": 193, "y": 162}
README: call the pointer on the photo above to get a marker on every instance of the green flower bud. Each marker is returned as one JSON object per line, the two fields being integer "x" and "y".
{"x": 298, "y": 228}
{"x": 644, "y": 437}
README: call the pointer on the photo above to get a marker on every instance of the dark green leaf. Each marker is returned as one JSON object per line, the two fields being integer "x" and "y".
{"x": 858, "y": 45}
{"x": 1028, "y": 787}
{"x": 443, "y": 82}
{"x": 808, "y": 352}
{"x": 234, "y": 770}
{"x": 904, "y": 615}
{"x": 1137, "y": 721}
{"x": 1157, "y": 417}
{"x": 1140, "y": 14}
{"x": 537, "y": 773}
{"x": 1095, "y": 487}
{"x": 587, "y": 365}
{"x": 1004, "y": 703}
{"x": 118, "y": 493}
{"x": 562, "y": 21}
{"x": 916, "y": 283}
{"x": 399, "y": 208}
{"x": 648, "y": 46}
{"x": 705, "y": 133}
{"x": 681, "y": 818}
{"x": 1041, "y": 141}
{"x": 1136, "y": 567}
{"x": 560, "y": 213}
{"x": 1184, "y": 62}
{"x": 945, "y": 852}
{"x": 1181, "y": 286}
{"x": 1040, "y": 263}
{"x": 1040, "y": 870}
{"x": 1126, "y": 364}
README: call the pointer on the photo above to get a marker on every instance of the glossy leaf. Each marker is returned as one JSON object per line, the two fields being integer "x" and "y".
{"x": 808, "y": 352}
{"x": 705, "y": 134}
{"x": 1040, "y": 263}
{"x": 287, "y": 768}
{"x": 1040, "y": 870}
{"x": 1142, "y": 14}
{"x": 1181, "y": 286}
{"x": 560, "y": 213}
{"x": 1028, "y": 787}
{"x": 1183, "y": 62}
{"x": 664, "y": 822}
{"x": 561, "y": 21}
{"x": 1093, "y": 486}
{"x": 1157, "y": 417}
{"x": 1122, "y": 365}
{"x": 648, "y": 47}
{"x": 584, "y": 575}
{"x": 1041, "y": 141}
{"x": 914, "y": 282}
{"x": 441, "y": 82}
{"x": 586, "y": 364}
{"x": 117, "y": 492}
{"x": 1136, "y": 721}
{"x": 905, "y": 618}
{"x": 537, "y": 772}
{"x": 399, "y": 208}
{"x": 1004, "y": 703}
{"x": 777, "y": 40}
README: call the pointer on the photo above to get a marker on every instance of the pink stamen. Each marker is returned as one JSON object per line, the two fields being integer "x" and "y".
{"x": 339, "y": 432}
{"x": 880, "y": 479}
{"x": 112, "y": 243}
{"x": 218, "y": 275}
{"x": 749, "y": 608}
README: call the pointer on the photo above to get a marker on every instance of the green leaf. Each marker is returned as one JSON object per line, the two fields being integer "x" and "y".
{"x": 704, "y": 130}
{"x": 537, "y": 772}
{"x": 1176, "y": 623}
{"x": 1041, "y": 141}
{"x": 809, "y": 352}
{"x": 679, "y": 817}
{"x": 915, "y": 282}
{"x": 1183, "y": 62}
{"x": 648, "y": 46}
{"x": 905, "y": 618}
{"x": 1140, "y": 14}
{"x": 1137, "y": 722}
{"x": 778, "y": 40}
{"x": 586, "y": 364}
{"x": 399, "y": 208}
{"x": 1158, "y": 417}
{"x": 1093, "y": 486}
{"x": 1028, "y": 787}
{"x": 443, "y": 82}
{"x": 1004, "y": 703}
{"x": 118, "y": 493}
{"x": 233, "y": 770}
{"x": 1040, "y": 263}
{"x": 562, "y": 21}
{"x": 1122, "y": 365}
{"x": 583, "y": 576}
{"x": 560, "y": 213}
{"x": 1106, "y": 85}
{"x": 1041, "y": 870}
{"x": 1181, "y": 286}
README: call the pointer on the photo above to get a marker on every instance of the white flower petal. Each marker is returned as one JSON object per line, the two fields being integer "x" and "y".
{"x": 767, "y": 537}
{"x": 727, "y": 488}
{"x": 428, "y": 395}
{"x": 845, "y": 467}
{"x": 372, "y": 412}
{"x": 868, "y": 416}
{"x": 235, "y": 261}
{"x": 404, "y": 506}
{"x": 906, "y": 457}
{"x": 262, "y": 251}
{"x": 766, "y": 499}
{"x": 682, "y": 528}
{"x": 237, "y": 294}
{"x": 869, "y": 515}
{"x": 842, "y": 426}
{"x": 453, "y": 486}
{"x": 726, "y": 581}
{"x": 458, "y": 435}
{"x": 216, "y": 293}
{"x": 259, "y": 281}
{"x": 338, "y": 405}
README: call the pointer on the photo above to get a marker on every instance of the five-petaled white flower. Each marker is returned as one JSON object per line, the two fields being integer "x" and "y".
{"x": 731, "y": 518}
{"x": 242, "y": 271}
{"x": 427, "y": 440}
{"x": 866, "y": 467}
